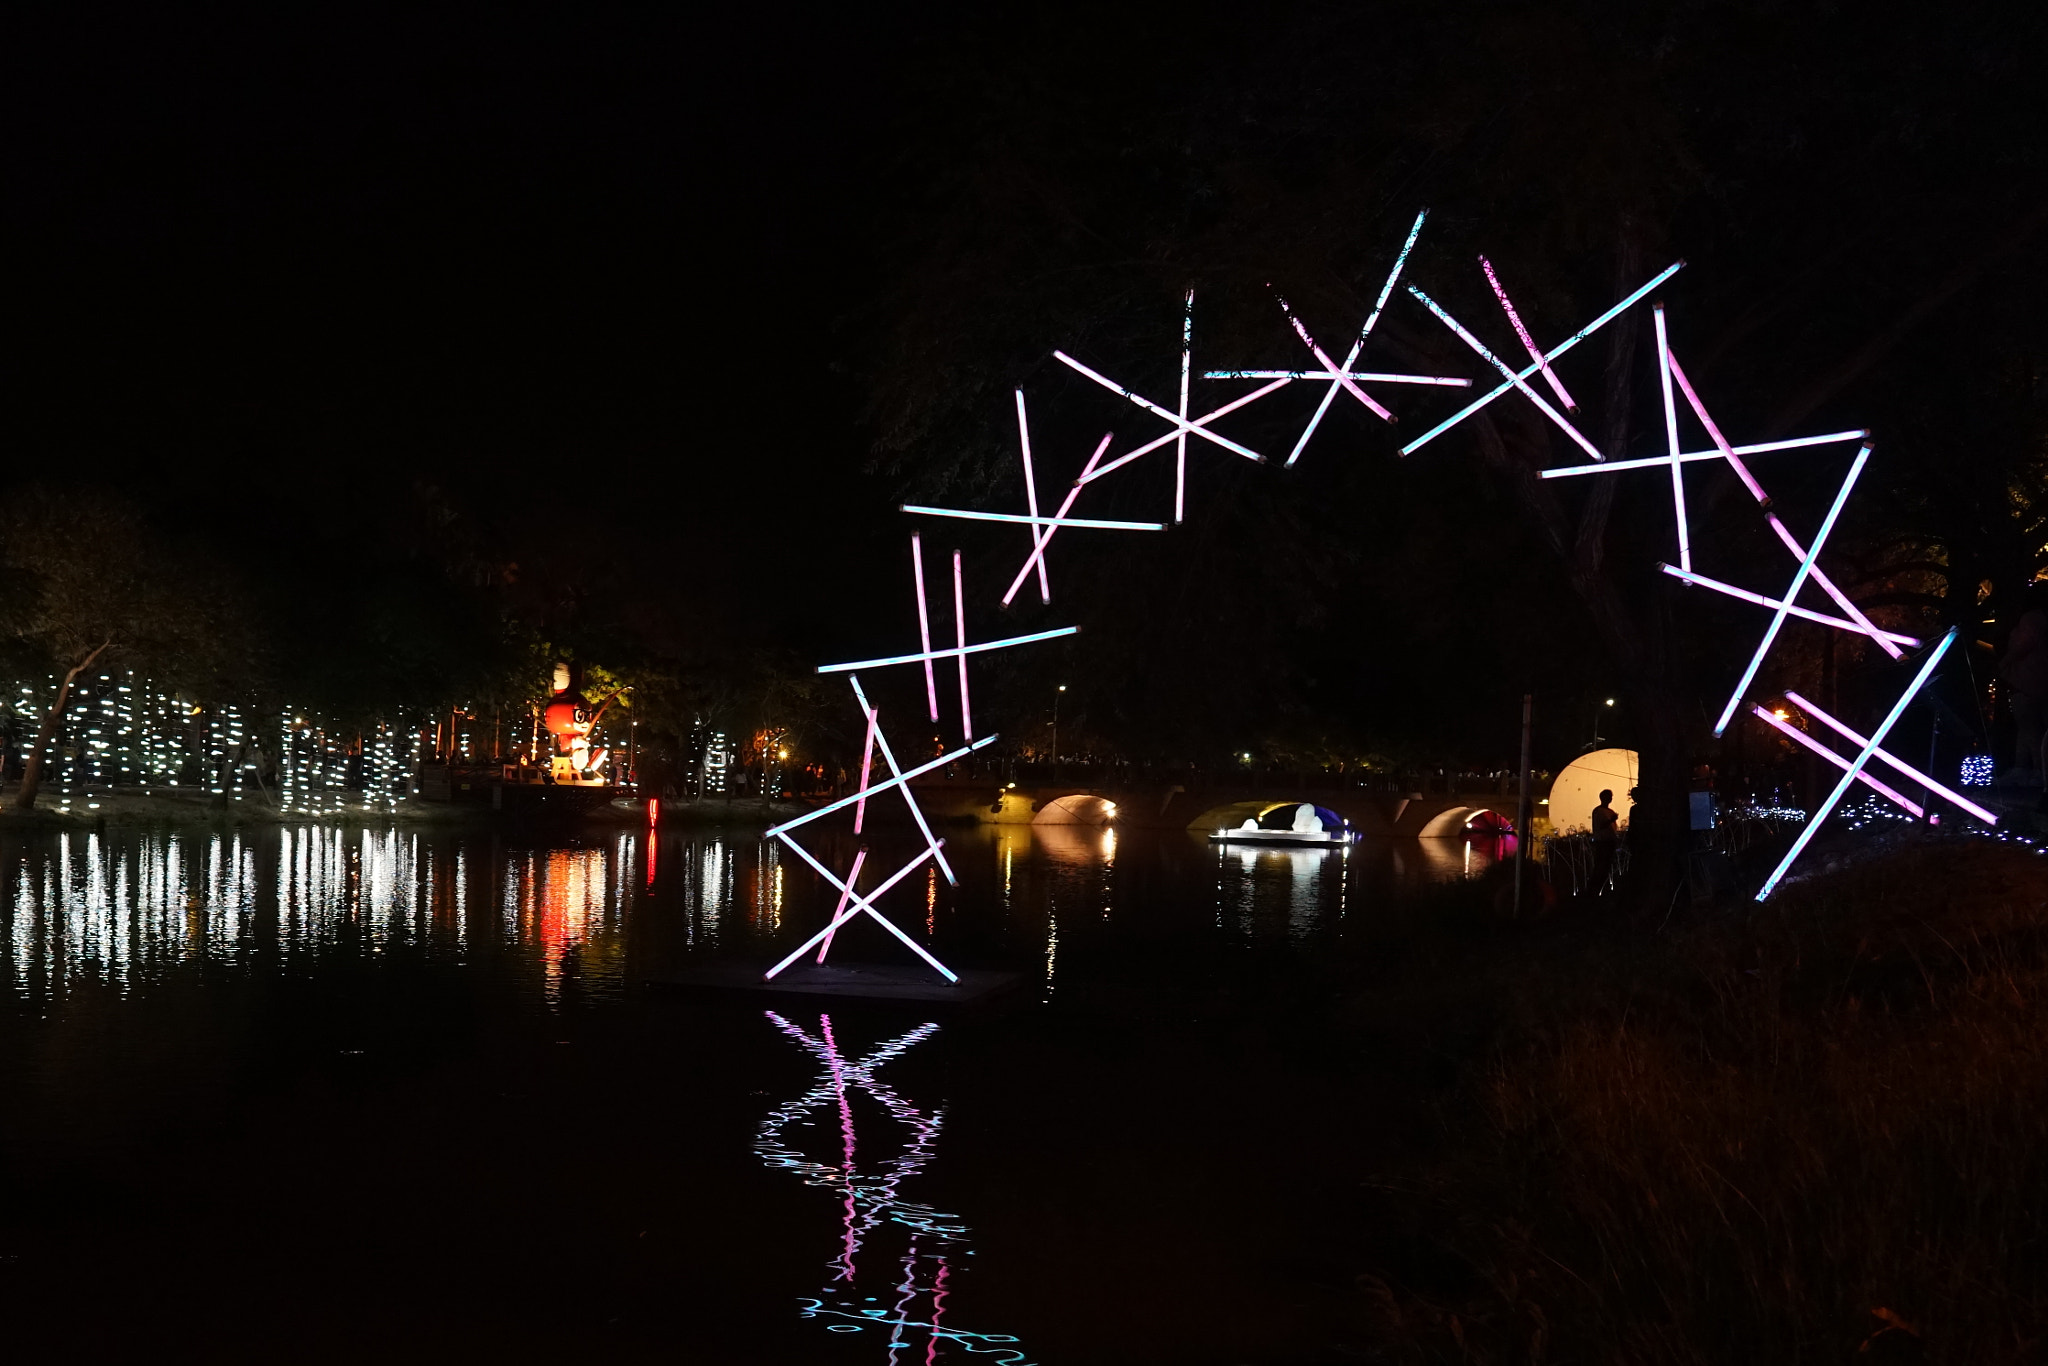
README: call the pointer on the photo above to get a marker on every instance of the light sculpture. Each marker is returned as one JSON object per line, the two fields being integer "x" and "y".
{"x": 1839, "y": 623}
{"x": 1041, "y": 527}
{"x": 1671, "y": 436}
{"x": 1343, "y": 375}
{"x": 1182, "y": 427}
{"x": 1863, "y": 756}
{"x": 924, "y": 623}
{"x": 1180, "y": 438}
{"x": 1628, "y": 301}
{"x": 1989, "y": 818}
{"x": 1799, "y": 578}
{"x": 1517, "y": 381}
{"x": 1794, "y": 733}
{"x": 1670, "y": 372}
{"x": 1041, "y": 537}
{"x": 960, "y": 649}
{"x": 874, "y": 716}
{"x": 1756, "y": 491}
{"x": 852, "y": 902}
{"x": 1528, "y": 342}
{"x": 960, "y": 629}
{"x": 1330, "y": 368}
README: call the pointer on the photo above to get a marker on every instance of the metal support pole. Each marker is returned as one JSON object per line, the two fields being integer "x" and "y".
{"x": 1522, "y": 805}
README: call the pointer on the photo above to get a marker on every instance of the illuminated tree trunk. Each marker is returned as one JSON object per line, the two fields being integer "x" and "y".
{"x": 32, "y": 770}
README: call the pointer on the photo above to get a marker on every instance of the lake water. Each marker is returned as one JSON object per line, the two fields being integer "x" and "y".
{"x": 348, "y": 1094}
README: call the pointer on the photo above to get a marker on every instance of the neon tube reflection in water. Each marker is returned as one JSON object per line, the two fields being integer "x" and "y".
{"x": 871, "y": 1203}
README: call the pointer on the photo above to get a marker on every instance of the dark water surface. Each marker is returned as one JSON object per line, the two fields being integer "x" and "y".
{"x": 353, "y": 1095}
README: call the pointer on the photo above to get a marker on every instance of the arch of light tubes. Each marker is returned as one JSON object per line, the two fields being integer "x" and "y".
{"x": 1343, "y": 376}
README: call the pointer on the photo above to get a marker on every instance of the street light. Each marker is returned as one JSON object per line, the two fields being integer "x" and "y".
{"x": 1056, "y": 724}
{"x": 1597, "y": 736}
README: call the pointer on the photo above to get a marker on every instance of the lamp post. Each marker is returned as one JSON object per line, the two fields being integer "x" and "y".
{"x": 1597, "y": 736}
{"x": 1056, "y": 727}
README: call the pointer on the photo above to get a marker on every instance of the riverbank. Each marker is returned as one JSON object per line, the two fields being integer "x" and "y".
{"x": 1753, "y": 1133}
{"x": 200, "y": 809}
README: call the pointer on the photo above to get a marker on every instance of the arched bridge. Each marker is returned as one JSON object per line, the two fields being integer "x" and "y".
{"x": 1174, "y": 807}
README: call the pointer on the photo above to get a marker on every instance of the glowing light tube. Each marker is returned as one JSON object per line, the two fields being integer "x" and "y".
{"x": 1528, "y": 342}
{"x": 1784, "y": 534}
{"x": 1180, "y": 440}
{"x": 1617, "y": 466}
{"x": 1671, "y": 436}
{"x": 924, "y": 624}
{"x": 852, "y": 876}
{"x": 1915, "y": 774}
{"x": 1365, "y": 332}
{"x": 927, "y": 656}
{"x": 960, "y": 630}
{"x": 1150, "y": 446}
{"x": 1560, "y": 349}
{"x": 1031, "y": 490}
{"x": 1674, "y": 371}
{"x": 1042, "y": 540}
{"x": 858, "y": 904}
{"x": 1330, "y": 367}
{"x": 867, "y": 758}
{"x": 1563, "y": 423}
{"x": 1362, "y": 376}
{"x": 1839, "y": 623}
{"x": 1863, "y": 757}
{"x": 1798, "y": 581}
{"x": 909, "y": 797}
{"x": 1083, "y": 523}
{"x": 1197, "y": 428}
{"x": 897, "y": 781}
{"x": 1837, "y": 760}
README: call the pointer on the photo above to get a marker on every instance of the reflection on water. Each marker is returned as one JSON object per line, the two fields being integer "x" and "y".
{"x": 122, "y": 910}
{"x": 1300, "y": 891}
{"x": 911, "y": 1249}
{"x": 575, "y": 926}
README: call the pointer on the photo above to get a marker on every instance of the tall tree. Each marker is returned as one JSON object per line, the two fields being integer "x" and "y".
{"x": 91, "y": 584}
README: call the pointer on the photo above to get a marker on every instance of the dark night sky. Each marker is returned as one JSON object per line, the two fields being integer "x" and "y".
{"x": 268, "y": 272}
{"x": 622, "y": 281}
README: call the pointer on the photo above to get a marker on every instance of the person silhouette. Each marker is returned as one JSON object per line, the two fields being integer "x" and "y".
{"x": 1606, "y": 839}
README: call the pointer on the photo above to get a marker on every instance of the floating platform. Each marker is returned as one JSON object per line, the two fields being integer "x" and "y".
{"x": 908, "y": 984}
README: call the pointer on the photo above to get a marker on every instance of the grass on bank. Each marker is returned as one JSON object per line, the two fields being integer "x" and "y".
{"x": 1814, "y": 1130}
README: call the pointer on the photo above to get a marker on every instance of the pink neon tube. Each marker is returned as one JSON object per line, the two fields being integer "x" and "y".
{"x": 1911, "y": 772}
{"x": 867, "y": 758}
{"x": 924, "y": 624}
{"x": 1756, "y": 490}
{"x": 1671, "y": 435}
{"x": 1837, "y": 760}
{"x": 1839, "y": 623}
{"x": 1528, "y": 342}
{"x": 1031, "y": 486}
{"x": 852, "y": 876}
{"x": 1336, "y": 371}
{"x": 903, "y": 784}
{"x": 1563, "y": 423}
{"x": 1150, "y": 446}
{"x": 1042, "y": 536}
{"x": 960, "y": 626}
{"x": 1180, "y": 448}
